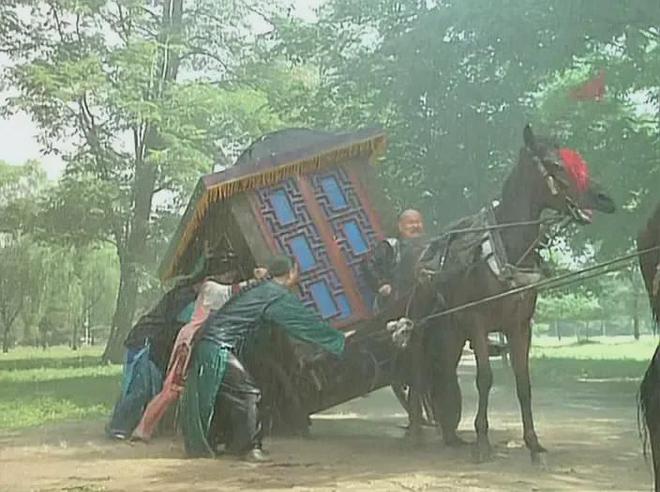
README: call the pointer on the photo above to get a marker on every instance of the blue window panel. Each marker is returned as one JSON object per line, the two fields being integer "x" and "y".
{"x": 355, "y": 237}
{"x": 333, "y": 192}
{"x": 303, "y": 253}
{"x": 282, "y": 208}
{"x": 323, "y": 299}
{"x": 344, "y": 307}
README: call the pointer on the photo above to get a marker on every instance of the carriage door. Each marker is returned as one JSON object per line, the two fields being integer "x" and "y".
{"x": 319, "y": 219}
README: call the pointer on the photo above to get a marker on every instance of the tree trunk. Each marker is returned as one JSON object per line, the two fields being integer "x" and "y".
{"x": 557, "y": 330}
{"x": 124, "y": 307}
{"x": 87, "y": 325}
{"x": 5, "y": 340}
{"x": 635, "y": 293}
{"x": 74, "y": 335}
{"x": 143, "y": 187}
{"x": 7, "y": 320}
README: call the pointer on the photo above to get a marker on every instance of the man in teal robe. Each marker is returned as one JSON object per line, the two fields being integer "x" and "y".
{"x": 217, "y": 373}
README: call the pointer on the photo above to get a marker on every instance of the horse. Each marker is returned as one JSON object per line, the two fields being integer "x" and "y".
{"x": 469, "y": 266}
{"x": 649, "y": 390}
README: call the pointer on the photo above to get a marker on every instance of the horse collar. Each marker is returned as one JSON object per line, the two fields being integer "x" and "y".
{"x": 494, "y": 253}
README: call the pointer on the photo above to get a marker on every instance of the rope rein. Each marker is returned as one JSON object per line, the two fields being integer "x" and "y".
{"x": 495, "y": 227}
{"x": 550, "y": 283}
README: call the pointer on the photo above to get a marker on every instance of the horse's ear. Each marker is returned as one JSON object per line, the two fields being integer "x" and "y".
{"x": 529, "y": 138}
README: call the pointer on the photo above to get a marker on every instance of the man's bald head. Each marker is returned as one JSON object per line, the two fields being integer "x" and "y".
{"x": 411, "y": 224}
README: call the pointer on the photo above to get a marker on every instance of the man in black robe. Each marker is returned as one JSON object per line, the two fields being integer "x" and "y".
{"x": 390, "y": 269}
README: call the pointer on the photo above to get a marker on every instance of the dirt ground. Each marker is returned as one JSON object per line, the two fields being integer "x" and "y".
{"x": 589, "y": 429}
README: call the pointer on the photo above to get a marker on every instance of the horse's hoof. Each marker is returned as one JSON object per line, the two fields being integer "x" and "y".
{"x": 481, "y": 453}
{"x": 455, "y": 442}
{"x": 413, "y": 437}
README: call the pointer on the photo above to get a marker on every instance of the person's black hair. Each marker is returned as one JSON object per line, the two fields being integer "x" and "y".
{"x": 280, "y": 265}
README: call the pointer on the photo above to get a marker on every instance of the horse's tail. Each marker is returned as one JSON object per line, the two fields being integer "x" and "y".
{"x": 648, "y": 401}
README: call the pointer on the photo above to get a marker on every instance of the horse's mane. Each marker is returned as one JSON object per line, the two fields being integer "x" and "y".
{"x": 649, "y": 237}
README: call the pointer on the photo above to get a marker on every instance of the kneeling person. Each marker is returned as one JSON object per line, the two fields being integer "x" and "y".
{"x": 217, "y": 373}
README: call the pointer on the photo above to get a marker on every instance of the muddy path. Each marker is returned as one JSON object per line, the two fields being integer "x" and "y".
{"x": 590, "y": 430}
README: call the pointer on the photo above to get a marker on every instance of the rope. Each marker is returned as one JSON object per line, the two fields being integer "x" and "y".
{"x": 507, "y": 225}
{"x": 570, "y": 277}
{"x": 561, "y": 224}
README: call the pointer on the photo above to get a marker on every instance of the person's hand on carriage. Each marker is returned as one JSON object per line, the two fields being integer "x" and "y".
{"x": 385, "y": 290}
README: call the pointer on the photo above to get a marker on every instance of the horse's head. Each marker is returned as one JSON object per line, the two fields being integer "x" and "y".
{"x": 563, "y": 183}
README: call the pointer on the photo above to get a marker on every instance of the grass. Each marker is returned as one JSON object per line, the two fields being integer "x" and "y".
{"x": 58, "y": 384}
{"x": 54, "y": 385}
{"x": 600, "y": 348}
{"x": 610, "y": 360}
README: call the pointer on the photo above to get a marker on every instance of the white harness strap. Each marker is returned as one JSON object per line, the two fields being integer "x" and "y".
{"x": 549, "y": 179}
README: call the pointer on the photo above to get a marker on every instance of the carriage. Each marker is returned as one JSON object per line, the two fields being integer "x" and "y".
{"x": 315, "y": 196}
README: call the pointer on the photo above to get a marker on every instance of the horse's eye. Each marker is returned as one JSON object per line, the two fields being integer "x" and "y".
{"x": 553, "y": 163}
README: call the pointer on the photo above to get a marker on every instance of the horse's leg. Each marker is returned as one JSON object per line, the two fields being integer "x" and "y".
{"x": 484, "y": 383}
{"x": 655, "y": 453}
{"x": 520, "y": 341}
{"x": 400, "y": 393}
{"x": 416, "y": 390}
{"x": 448, "y": 348}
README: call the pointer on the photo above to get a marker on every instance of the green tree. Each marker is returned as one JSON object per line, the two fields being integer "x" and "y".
{"x": 618, "y": 136}
{"x": 451, "y": 81}
{"x": 19, "y": 272}
{"x": 104, "y": 77}
{"x": 575, "y": 307}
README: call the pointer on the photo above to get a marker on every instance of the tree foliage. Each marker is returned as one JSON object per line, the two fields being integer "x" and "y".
{"x": 103, "y": 81}
{"x": 453, "y": 83}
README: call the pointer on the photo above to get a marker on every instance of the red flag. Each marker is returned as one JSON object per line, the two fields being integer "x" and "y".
{"x": 591, "y": 90}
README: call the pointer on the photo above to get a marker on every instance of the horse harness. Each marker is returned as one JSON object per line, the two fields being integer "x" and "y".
{"x": 493, "y": 252}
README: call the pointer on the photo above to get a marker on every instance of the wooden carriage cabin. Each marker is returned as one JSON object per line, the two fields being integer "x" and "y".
{"x": 313, "y": 195}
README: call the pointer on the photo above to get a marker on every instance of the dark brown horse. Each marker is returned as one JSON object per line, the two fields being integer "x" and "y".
{"x": 649, "y": 390}
{"x": 473, "y": 266}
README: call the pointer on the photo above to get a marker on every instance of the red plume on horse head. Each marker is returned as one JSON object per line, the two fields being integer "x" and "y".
{"x": 576, "y": 167}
